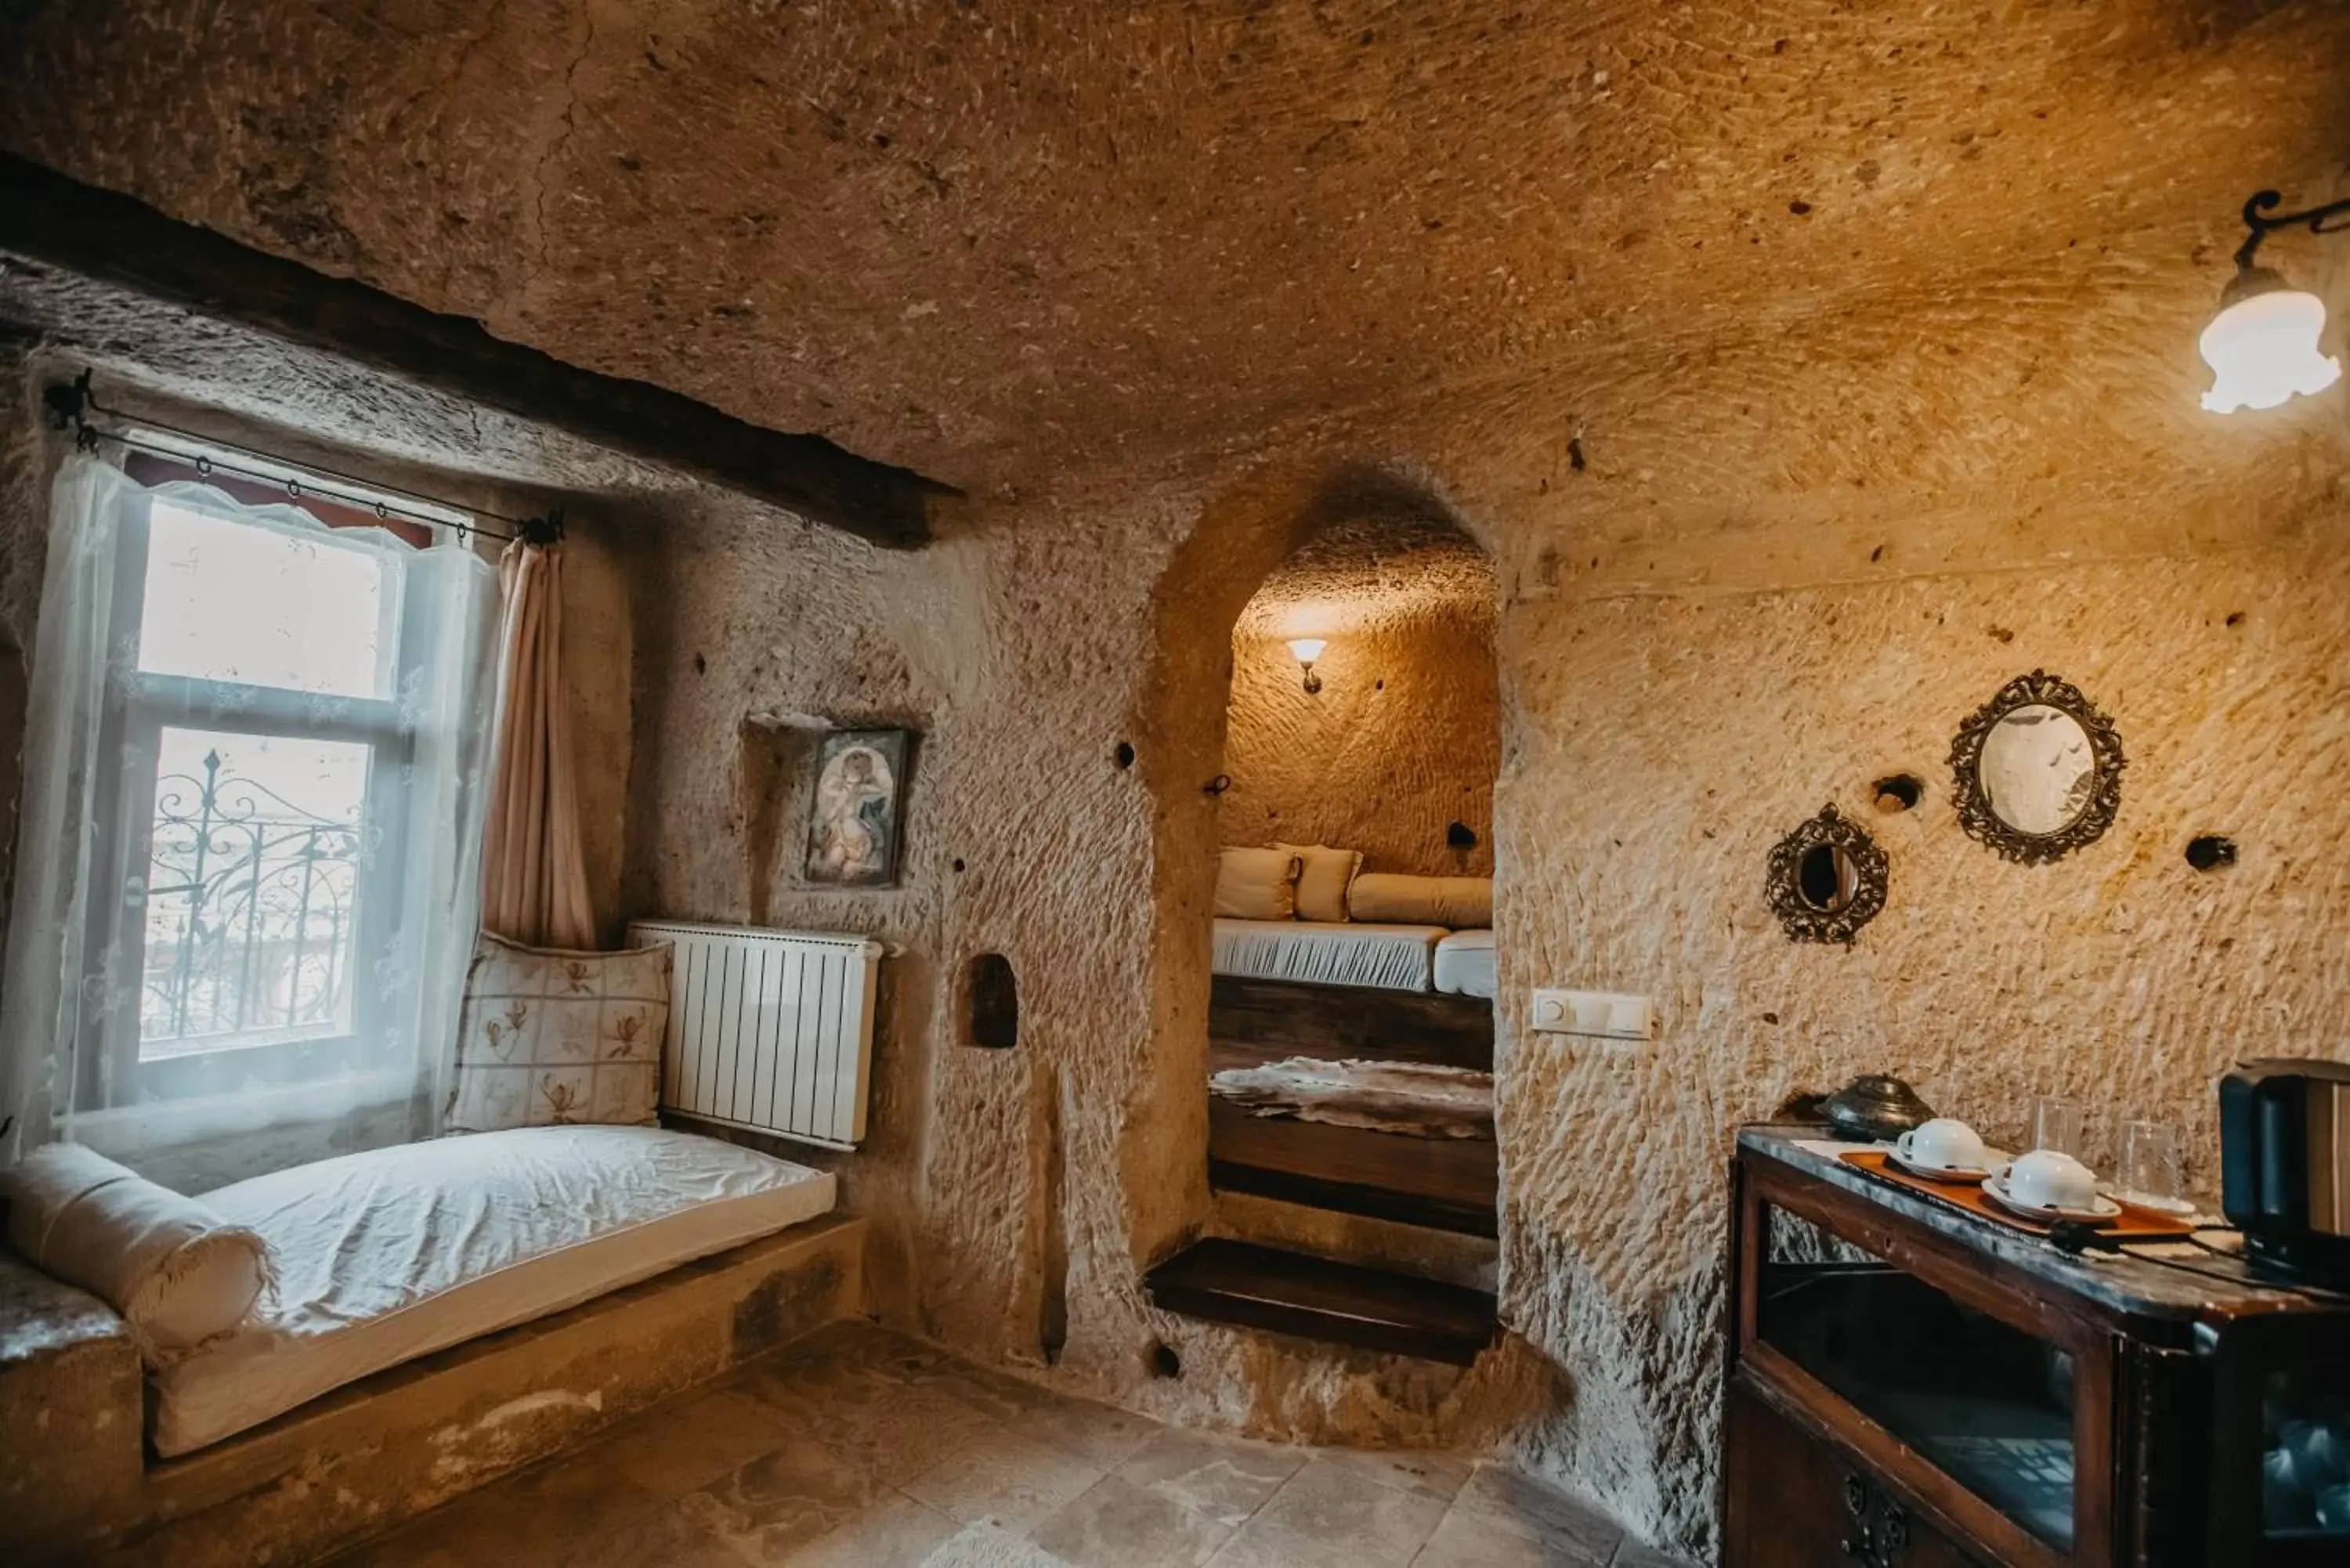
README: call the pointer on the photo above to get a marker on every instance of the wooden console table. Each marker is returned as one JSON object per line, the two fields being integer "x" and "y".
{"x": 1912, "y": 1387}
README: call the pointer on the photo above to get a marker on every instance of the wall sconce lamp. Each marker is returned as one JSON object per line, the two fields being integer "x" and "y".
{"x": 2262, "y": 346}
{"x": 1308, "y": 650}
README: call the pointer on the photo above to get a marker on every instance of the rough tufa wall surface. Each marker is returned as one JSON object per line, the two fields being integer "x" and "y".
{"x": 1405, "y": 736}
{"x": 1806, "y": 372}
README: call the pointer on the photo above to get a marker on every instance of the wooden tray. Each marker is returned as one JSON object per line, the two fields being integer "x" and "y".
{"x": 2132, "y": 1223}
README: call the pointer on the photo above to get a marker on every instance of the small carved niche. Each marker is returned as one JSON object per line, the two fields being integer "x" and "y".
{"x": 993, "y": 995}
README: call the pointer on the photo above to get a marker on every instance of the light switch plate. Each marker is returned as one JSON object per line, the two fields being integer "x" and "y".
{"x": 1600, "y": 1015}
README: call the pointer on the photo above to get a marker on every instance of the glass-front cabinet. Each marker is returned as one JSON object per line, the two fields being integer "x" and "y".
{"x": 2283, "y": 1425}
{"x": 1986, "y": 1402}
{"x": 1910, "y": 1386}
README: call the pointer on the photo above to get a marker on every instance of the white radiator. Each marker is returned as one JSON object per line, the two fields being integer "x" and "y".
{"x": 771, "y": 1030}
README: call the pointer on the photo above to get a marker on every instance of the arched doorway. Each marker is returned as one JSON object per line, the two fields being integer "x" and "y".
{"x": 1351, "y": 1027}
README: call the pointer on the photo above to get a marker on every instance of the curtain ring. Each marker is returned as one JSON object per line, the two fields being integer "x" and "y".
{"x": 204, "y": 466}
{"x": 379, "y": 511}
{"x": 294, "y": 488}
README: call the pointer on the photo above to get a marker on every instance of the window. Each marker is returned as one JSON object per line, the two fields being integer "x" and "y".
{"x": 265, "y": 726}
{"x": 259, "y": 733}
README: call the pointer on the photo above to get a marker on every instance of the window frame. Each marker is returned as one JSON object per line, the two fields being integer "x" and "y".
{"x": 138, "y": 707}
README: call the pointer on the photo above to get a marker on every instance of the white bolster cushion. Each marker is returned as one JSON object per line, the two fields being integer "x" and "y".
{"x": 1463, "y": 903}
{"x": 178, "y": 1274}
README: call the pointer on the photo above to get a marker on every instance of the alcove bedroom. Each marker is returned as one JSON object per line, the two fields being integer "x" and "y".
{"x": 1350, "y": 1019}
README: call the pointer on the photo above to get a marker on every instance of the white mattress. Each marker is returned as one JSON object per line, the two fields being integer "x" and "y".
{"x": 1319, "y": 952}
{"x": 1464, "y": 964}
{"x": 385, "y": 1256}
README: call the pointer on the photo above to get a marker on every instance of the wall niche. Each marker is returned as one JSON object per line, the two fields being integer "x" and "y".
{"x": 992, "y": 995}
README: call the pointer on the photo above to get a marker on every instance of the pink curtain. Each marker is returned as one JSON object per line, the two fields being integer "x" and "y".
{"x": 533, "y": 875}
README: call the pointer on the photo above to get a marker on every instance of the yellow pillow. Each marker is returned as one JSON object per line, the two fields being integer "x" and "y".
{"x": 1463, "y": 903}
{"x": 1257, "y": 885}
{"x": 1321, "y": 885}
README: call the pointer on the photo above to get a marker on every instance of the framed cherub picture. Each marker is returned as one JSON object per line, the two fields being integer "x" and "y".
{"x": 854, "y": 812}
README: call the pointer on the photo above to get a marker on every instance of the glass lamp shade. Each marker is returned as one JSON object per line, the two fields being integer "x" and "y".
{"x": 2262, "y": 348}
{"x": 1308, "y": 649}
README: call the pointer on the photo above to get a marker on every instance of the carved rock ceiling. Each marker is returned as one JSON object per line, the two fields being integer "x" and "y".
{"x": 1363, "y": 569}
{"x": 1790, "y": 244}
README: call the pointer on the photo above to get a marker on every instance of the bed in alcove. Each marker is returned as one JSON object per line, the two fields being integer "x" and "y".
{"x": 1351, "y": 1016}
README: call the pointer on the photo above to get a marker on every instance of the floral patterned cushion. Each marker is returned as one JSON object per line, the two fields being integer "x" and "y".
{"x": 551, "y": 1037}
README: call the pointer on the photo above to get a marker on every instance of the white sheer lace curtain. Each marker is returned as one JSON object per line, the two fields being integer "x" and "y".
{"x": 248, "y": 868}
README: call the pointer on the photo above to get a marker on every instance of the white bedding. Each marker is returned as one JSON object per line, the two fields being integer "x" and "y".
{"x": 385, "y": 1256}
{"x": 1393, "y": 958}
{"x": 1464, "y": 964}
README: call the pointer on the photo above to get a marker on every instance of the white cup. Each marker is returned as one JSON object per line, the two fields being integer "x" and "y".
{"x": 1945, "y": 1143}
{"x": 2051, "y": 1178}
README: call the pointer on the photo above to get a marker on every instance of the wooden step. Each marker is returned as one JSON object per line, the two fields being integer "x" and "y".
{"x": 1344, "y": 1304}
{"x": 1288, "y": 1019}
{"x": 1446, "y": 1184}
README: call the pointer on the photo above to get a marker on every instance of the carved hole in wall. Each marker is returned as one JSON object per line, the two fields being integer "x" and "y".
{"x": 1125, "y": 754}
{"x": 1162, "y": 1360}
{"x": 1897, "y": 793}
{"x": 2210, "y": 851}
{"x": 994, "y": 997}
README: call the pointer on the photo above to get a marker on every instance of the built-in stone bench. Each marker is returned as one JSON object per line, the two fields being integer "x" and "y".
{"x": 80, "y": 1488}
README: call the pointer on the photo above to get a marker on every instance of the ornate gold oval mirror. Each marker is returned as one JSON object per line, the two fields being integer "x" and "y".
{"x": 1826, "y": 879}
{"x": 2037, "y": 770}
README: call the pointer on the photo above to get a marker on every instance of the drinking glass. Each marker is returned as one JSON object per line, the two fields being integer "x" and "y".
{"x": 2056, "y": 1124}
{"x": 2150, "y": 1164}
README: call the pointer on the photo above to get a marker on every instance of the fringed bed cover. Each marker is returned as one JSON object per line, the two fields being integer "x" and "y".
{"x": 1393, "y": 958}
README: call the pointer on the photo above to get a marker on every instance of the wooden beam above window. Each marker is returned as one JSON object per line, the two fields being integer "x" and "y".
{"x": 47, "y": 218}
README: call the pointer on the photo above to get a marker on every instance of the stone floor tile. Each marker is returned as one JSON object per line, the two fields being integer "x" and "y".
{"x": 996, "y": 1394}
{"x": 779, "y": 1503}
{"x": 985, "y": 1545}
{"x": 895, "y": 1431}
{"x": 1012, "y": 1480}
{"x": 1506, "y": 1496}
{"x": 1118, "y": 1524}
{"x": 564, "y": 1515}
{"x": 854, "y": 1360}
{"x": 1225, "y": 1478}
{"x": 1465, "y": 1540}
{"x": 687, "y": 1444}
{"x": 1421, "y": 1472}
{"x": 1327, "y": 1516}
{"x": 895, "y": 1532}
{"x": 1101, "y": 1435}
{"x": 860, "y": 1350}
{"x": 407, "y": 1547}
{"x": 667, "y": 1535}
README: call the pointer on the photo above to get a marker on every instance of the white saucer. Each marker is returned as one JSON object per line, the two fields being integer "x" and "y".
{"x": 1955, "y": 1176}
{"x": 1996, "y": 1190}
{"x": 2175, "y": 1208}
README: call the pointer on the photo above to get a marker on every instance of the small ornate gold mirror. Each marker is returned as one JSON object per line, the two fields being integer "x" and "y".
{"x": 1826, "y": 879}
{"x": 2037, "y": 770}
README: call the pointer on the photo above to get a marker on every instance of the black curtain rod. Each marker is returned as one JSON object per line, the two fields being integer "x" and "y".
{"x": 71, "y": 403}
